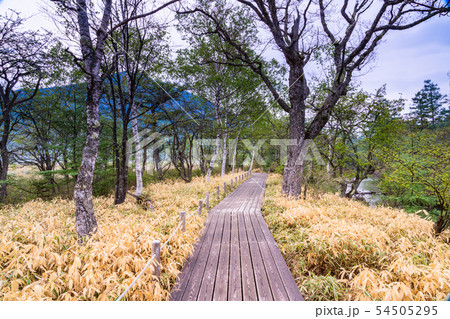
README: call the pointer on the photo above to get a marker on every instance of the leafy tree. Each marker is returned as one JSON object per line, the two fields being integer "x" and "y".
{"x": 233, "y": 91}
{"x": 145, "y": 44}
{"x": 91, "y": 18}
{"x": 361, "y": 125}
{"x": 22, "y": 57}
{"x": 418, "y": 174}
{"x": 428, "y": 104}
{"x": 298, "y": 29}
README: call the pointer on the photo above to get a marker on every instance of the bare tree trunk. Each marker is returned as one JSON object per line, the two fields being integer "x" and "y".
{"x": 157, "y": 160}
{"x": 235, "y": 152}
{"x": 213, "y": 158}
{"x": 224, "y": 154}
{"x": 86, "y": 223}
{"x": 137, "y": 146}
{"x": 144, "y": 160}
{"x": 330, "y": 158}
{"x": 122, "y": 170}
{"x": 293, "y": 171}
{"x": 202, "y": 161}
{"x": 4, "y": 164}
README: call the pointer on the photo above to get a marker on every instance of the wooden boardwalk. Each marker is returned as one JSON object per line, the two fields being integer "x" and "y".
{"x": 237, "y": 258}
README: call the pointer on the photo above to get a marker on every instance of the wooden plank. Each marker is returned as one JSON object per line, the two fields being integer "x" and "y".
{"x": 234, "y": 278}
{"x": 285, "y": 274}
{"x": 189, "y": 266}
{"x": 228, "y": 280}
{"x": 248, "y": 279}
{"x": 262, "y": 282}
{"x": 275, "y": 282}
{"x": 190, "y": 283}
{"x": 236, "y": 257}
{"x": 194, "y": 285}
{"x": 209, "y": 275}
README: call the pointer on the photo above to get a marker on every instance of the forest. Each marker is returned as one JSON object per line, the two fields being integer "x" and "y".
{"x": 109, "y": 130}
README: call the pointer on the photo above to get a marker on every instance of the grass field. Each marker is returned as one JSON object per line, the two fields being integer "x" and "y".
{"x": 340, "y": 249}
{"x": 337, "y": 249}
{"x": 41, "y": 260}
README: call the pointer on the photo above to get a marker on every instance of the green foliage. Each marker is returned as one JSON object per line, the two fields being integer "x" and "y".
{"x": 418, "y": 174}
{"x": 360, "y": 125}
{"x": 428, "y": 104}
{"x": 324, "y": 288}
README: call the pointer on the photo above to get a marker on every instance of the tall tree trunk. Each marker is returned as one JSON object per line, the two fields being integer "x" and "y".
{"x": 122, "y": 176}
{"x": 202, "y": 161}
{"x": 4, "y": 165}
{"x": 144, "y": 160}
{"x": 224, "y": 154}
{"x": 293, "y": 171}
{"x": 86, "y": 223}
{"x": 213, "y": 158}
{"x": 137, "y": 146}
{"x": 235, "y": 152}
{"x": 157, "y": 160}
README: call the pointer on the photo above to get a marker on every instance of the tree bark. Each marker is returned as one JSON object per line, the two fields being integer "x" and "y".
{"x": 122, "y": 171}
{"x": 224, "y": 154}
{"x": 137, "y": 146}
{"x": 86, "y": 223}
{"x": 298, "y": 92}
{"x": 4, "y": 165}
{"x": 213, "y": 158}
{"x": 157, "y": 160}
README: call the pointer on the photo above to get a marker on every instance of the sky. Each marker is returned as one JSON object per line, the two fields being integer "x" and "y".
{"x": 403, "y": 61}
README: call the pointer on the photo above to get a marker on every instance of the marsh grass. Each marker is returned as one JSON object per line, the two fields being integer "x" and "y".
{"x": 340, "y": 249}
{"x": 41, "y": 260}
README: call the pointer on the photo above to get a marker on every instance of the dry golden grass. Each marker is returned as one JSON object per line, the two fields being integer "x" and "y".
{"x": 340, "y": 249}
{"x": 41, "y": 260}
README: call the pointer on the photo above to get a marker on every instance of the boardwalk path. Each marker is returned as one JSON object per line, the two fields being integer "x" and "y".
{"x": 237, "y": 258}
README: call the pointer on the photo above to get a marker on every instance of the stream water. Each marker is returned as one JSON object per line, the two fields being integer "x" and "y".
{"x": 369, "y": 185}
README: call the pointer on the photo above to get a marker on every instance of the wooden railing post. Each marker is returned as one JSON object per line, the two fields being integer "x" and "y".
{"x": 231, "y": 184}
{"x": 235, "y": 181}
{"x": 207, "y": 200}
{"x": 218, "y": 191}
{"x": 200, "y": 206}
{"x": 156, "y": 251}
{"x": 183, "y": 221}
{"x": 225, "y": 188}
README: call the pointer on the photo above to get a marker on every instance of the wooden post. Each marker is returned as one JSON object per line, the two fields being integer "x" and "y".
{"x": 231, "y": 184}
{"x": 156, "y": 251}
{"x": 224, "y": 188}
{"x": 207, "y": 200}
{"x": 200, "y": 205}
{"x": 218, "y": 191}
{"x": 239, "y": 178}
{"x": 183, "y": 221}
{"x": 235, "y": 181}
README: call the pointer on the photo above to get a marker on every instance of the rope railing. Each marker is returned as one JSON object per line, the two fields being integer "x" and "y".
{"x": 156, "y": 247}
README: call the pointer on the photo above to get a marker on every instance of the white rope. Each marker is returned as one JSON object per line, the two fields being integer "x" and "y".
{"x": 136, "y": 279}
{"x": 153, "y": 257}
